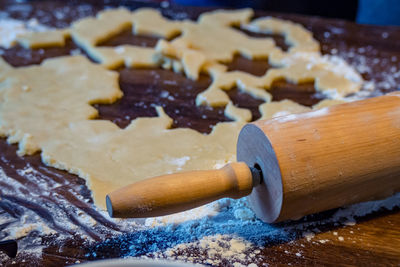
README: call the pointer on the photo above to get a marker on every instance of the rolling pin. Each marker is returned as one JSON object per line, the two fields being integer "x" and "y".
{"x": 290, "y": 166}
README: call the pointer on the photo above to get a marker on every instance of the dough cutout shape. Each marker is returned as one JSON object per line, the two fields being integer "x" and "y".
{"x": 44, "y": 39}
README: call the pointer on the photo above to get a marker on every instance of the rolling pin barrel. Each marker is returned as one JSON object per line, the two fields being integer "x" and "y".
{"x": 324, "y": 159}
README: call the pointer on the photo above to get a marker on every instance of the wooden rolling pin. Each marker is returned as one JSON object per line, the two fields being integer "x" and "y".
{"x": 291, "y": 166}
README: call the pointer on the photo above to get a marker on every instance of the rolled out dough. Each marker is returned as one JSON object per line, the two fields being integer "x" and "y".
{"x": 47, "y": 107}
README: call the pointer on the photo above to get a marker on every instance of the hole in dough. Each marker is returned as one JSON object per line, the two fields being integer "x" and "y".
{"x": 126, "y": 37}
{"x": 18, "y": 56}
{"x": 302, "y": 93}
{"x": 244, "y": 100}
{"x": 254, "y": 67}
{"x": 173, "y": 91}
{"x": 279, "y": 39}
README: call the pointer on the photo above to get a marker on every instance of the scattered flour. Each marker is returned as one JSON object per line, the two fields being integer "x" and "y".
{"x": 337, "y": 64}
{"x": 308, "y": 235}
{"x": 179, "y": 162}
{"x": 226, "y": 232}
{"x": 38, "y": 217}
{"x": 10, "y": 29}
{"x": 381, "y": 72}
{"x": 40, "y": 227}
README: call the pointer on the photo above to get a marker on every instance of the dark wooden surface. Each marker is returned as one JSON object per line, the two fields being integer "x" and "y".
{"x": 373, "y": 241}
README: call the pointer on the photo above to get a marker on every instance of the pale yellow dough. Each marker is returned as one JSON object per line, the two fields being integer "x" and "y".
{"x": 130, "y": 56}
{"x": 237, "y": 114}
{"x": 47, "y": 107}
{"x": 88, "y": 32}
{"x": 43, "y": 39}
{"x": 53, "y": 116}
{"x": 39, "y": 101}
{"x": 210, "y": 41}
{"x": 295, "y": 34}
{"x": 149, "y": 21}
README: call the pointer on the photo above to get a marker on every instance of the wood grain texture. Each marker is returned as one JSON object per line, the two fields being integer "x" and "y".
{"x": 374, "y": 240}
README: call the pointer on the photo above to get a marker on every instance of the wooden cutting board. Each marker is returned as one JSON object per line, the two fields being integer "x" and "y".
{"x": 374, "y": 240}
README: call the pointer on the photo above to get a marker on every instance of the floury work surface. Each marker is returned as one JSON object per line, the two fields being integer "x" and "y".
{"x": 51, "y": 213}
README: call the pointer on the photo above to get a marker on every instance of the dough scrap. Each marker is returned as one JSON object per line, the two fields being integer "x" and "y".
{"x": 327, "y": 103}
{"x": 300, "y": 39}
{"x": 237, "y": 114}
{"x": 226, "y": 17}
{"x": 336, "y": 79}
{"x": 302, "y": 63}
{"x": 128, "y": 55}
{"x": 148, "y": 21}
{"x": 211, "y": 41}
{"x": 44, "y": 39}
{"x": 226, "y": 43}
{"x": 90, "y": 31}
{"x": 281, "y": 108}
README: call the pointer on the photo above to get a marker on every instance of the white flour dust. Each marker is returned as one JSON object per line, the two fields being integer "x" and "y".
{"x": 227, "y": 231}
{"x": 10, "y": 29}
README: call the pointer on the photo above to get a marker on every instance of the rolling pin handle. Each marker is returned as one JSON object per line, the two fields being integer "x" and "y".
{"x": 181, "y": 191}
